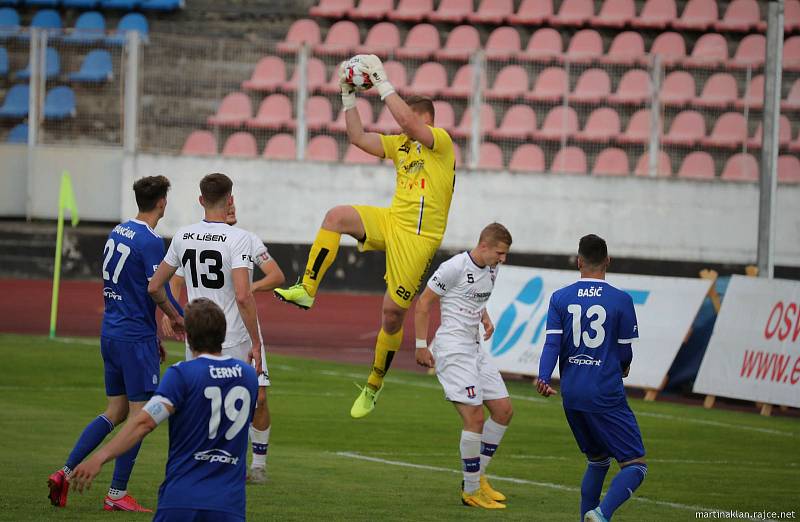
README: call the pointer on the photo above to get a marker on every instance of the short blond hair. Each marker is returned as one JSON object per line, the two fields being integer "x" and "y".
{"x": 494, "y": 233}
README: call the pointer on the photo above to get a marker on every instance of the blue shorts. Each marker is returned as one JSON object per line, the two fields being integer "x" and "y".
{"x": 612, "y": 433}
{"x": 195, "y": 515}
{"x": 131, "y": 367}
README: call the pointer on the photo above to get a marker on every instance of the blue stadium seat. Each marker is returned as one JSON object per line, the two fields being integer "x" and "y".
{"x": 52, "y": 66}
{"x": 129, "y": 22}
{"x": 12, "y": 3}
{"x": 125, "y": 5}
{"x": 96, "y": 68}
{"x": 59, "y": 103}
{"x": 19, "y": 134}
{"x": 89, "y": 28}
{"x": 9, "y": 22}
{"x": 3, "y": 61}
{"x": 80, "y": 4}
{"x": 42, "y": 3}
{"x": 44, "y": 19}
{"x": 15, "y": 104}
{"x": 161, "y": 5}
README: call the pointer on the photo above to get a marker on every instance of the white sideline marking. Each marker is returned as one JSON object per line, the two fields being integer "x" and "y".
{"x": 715, "y": 423}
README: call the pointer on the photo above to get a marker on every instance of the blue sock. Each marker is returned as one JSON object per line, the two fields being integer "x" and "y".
{"x": 123, "y": 467}
{"x": 622, "y": 487}
{"x": 592, "y": 484}
{"x": 92, "y": 436}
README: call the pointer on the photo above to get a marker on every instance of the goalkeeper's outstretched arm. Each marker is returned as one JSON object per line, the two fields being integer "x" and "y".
{"x": 412, "y": 123}
{"x": 367, "y": 141}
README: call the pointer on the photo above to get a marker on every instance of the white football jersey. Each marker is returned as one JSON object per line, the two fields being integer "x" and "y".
{"x": 208, "y": 252}
{"x": 464, "y": 288}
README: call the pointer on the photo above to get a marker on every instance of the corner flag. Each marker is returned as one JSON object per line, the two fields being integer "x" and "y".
{"x": 66, "y": 200}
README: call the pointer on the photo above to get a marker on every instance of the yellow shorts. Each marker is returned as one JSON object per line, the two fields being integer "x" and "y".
{"x": 408, "y": 256}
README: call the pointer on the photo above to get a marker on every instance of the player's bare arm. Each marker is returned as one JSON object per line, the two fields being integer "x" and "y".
{"x": 176, "y": 285}
{"x": 488, "y": 325}
{"x": 159, "y": 294}
{"x": 422, "y": 314}
{"x": 273, "y": 277}
{"x": 247, "y": 308}
{"x": 544, "y": 388}
{"x": 369, "y": 142}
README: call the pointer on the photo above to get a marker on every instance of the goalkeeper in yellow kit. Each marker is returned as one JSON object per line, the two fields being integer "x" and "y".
{"x": 409, "y": 231}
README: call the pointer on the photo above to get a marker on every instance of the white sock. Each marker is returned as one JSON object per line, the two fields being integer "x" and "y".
{"x": 260, "y": 442}
{"x": 470, "y": 460}
{"x": 492, "y": 435}
{"x": 117, "y": 494}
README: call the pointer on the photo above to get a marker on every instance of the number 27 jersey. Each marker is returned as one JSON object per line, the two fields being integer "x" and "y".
{"x": 209, "y": 252}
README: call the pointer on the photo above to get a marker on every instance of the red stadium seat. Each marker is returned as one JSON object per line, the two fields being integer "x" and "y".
{"x": 569, "y": 160}
{"x": 687, "y": 129}
{"x": 627, "y": 48}
{"x": 371, "y": 10}
{"x": 720, "y": 91}
{"x": 200, "y": 143}
{"x": 573, "y": 13}
{"x": 741, "y": 167}
{"x": 492, "y": 12}
{"x": 341, "y": 39}
{"x": 275, "y": 112}
{"x": 593, "y": 86}
{"x": 615, "y": 13}
{"x": 550, "y": 85}
{"x": 429, "y": 80}
{"x": 754, "y": 95}
{"x": 302, "y": 31}
{"x": 356, "y": 155}
{"x": 315, "y": 77}
{"x": 490, "y": 156}
{"x": 396, "y": 72}
{"x": 710, "y": 50}
{"x": 532, "y": 12}
{"x": 729, "y": 132}
{"x": 678, "y": 89}
{"x": 332, "y": 86}
{"x": 461, "y": 43}
{"x": 602, "y": 126}
{"x": 791, "y": 53}
{"x": 383, "y": 38}
{"x": 788, "y": 169}
{"x": 585, "y": 46}
{"x": 784, "y": 134}
{"x": 663, "y": 168}
{"x": 445, "y": 117}
{"x": 319, "y": 114}
{"x": 527, "y": 158}
{"x": 519, "y": 123}
{"x": 794, "y": 146}
{"x": 698, "y": 15}
{"x": 545, "y": 44}
{"x": 488, "y": 122}
{"x": 670, "y": 48}
{"x": 741, "y": 16}
{"x": 462, "y": 83}
{"x": 452, "y": 11}
{"x": 364, "y": 111}
{"x": 322, "y": 148}
{"x": 269, "y": 74}
{"x": 611, "y": 162}
{"x": 411, "y": 11}
{"x": 791, "y": 15}
{"x": 457, "y": 153}
{"x": 502, "y": 44}
{"x": 331, "y": 8}
{"x": 385, "y": 124}
{"x": 638, "y": 130}
{"x": 792, "y": 101}
{"x": 560, "y": 121}
{"x": 234, "y": 110}
{"x": 751, "y": 52}
{"x": 656, "y": 14}
{"x": 633, "y": 88}
{"x": 281, "y": 147}
{"x": 697, "y": 165}
{"x": 421, "y": 42}
{"x": 510, "y": 83}
{"x": 240, "y": 145}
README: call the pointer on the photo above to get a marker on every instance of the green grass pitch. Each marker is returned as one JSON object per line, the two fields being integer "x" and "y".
{"x": 319, "y": 458}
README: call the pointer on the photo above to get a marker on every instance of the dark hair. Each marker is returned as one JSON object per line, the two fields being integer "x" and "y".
{"x": 149, "y": 190}
{"x": 421, "y": 104}
{"x": 593, "y": 249}
{"x": 495, "y": 233}
{"x": 205, "y": 325}
{"x": 215, "y": 187}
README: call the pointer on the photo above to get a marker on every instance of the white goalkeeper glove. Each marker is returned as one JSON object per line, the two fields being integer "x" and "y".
{"x": 348, "y": 92}
{"x": 372, "y": 64}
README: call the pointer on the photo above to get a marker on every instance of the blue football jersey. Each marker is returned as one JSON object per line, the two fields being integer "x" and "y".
{"x": 214, "y": 398}
{"x": 588, "y": 320}
{"x": 131, "y": 256}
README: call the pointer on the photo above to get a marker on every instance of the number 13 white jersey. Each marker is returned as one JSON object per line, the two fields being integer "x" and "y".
{"x": 208, "y": 252}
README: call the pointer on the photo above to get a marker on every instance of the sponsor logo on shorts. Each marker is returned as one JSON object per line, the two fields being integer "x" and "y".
{"x": 470, "y": 392}
{"x": 109, "y": 293}
{"x": 584, "y": 360}
{"x": 155, "y": 379}
{"x": 216, "y": 455}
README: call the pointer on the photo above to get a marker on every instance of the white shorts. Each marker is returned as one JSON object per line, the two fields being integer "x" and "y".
{"x": 469, "y": 378}
{"x": 241, "y": 351}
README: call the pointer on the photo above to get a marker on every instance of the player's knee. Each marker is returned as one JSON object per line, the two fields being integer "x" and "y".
{"x": 334, "y": 218}
{"x": 116, "y": 415}
{"x": 392, "y": 320}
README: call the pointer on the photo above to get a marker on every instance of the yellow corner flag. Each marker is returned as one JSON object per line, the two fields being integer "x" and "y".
{"x": 66, "y": 200}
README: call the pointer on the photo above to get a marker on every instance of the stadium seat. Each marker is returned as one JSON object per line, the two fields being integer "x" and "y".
{"x": 729, "y": 132}
{"x": 519, "y": 123}
{"x": 663, "y": 168}
{"x": 602, "y": 126}
{"x": 80, "y": 4}
{"x": 791, "y": 53}
{"x": 593, "y": 86}
{"x": 792, "y": 101}
{"x": 18, "y": 134}
{"x": 42, "y": 3}
{"x": 791, "y": 16}
{"x": 411, "y": 11}
{"x": 200, "y": 143}
{"x": 698, "y": 15}
{"x": 788, "y": 169}
{"x": 234, "y": 111}
{"x": 551, "y": 85}
{"x": 396, "y": 72}
{"x": 754, "y": 95}
{"x": 697, "y": 165}
{"x": 383, "y": 38}
{"x": 15, "y": 104}
{"x": 268, "y": 75}
{"x": 3, "y": 61}
{"x": 429, "y": 80}
{"x": 503, "y": 43}
{"x": 687, "y": 129}
{"x": 611, "y": 162}
{"x": 794, "y": 146}
{"x": 573, "y": 13}
{"x": 492, "y": 12}
{"x": 46, "y": 19}
{"x": 741, "y": 16}
{"x": 315, "y": 77}
{"x": 656, "y": 14}
{"x": 784, "y": 134}
{"x": 456, "y": 152}
{"x": 95, "y": 68}
{"x": 319, "y": 114}
{"x": 322, "y": 148}
{"x": 280, "y": 147}
{"x": 532, "y": 12}
{"x": 341, "y": 39}
{"x": 461, "y": 43}
{"x": 560, "y": 121}
{"x": 90, "y": 27}
{"x": 451, "y": 11}
{"x": 331, "y": 8}
{"x": 122, "y": 5}
{"x": 364, "y": 111}
{"x": 633, "y": 88}
{"x": 421, "y": 42}
{"x": 585, "y": 46}
{"x": 544, "y": 45}
{"x": 678, "y": 89}
{"x": 751, "y": 52}
{"x": 527, "y": 158}
{"x": 332, "y": 85}
{"x": 385, "y": 124}
{"x": 670, "y": 48}
{"x": 710, "y": 50}
{"x": 274, "y": 112}
{"x": 509, "y": 84}
{"x": 52, "y": 66}
{"x": 301, "y": 31}
{"x": 161, "y": 5}
{"x": 462, "y": 83}
{"x": 638, "y": 130}
{"x": 627, "y": 48}
{"x": 445, "y": 116}
{"x": 615, "y": 13}
{"x": 720, "y": 91}
{"x": 741, "y": 167}
{"x": 488, "y": 123}
{"x": 358, "y": 156}
{"x": 240, "y": 145}
{"x": 129, "y": 22}
{"x": 371, "y": 10}
{"x": 569, "y": 160}
{"x": 9, "y": 22}
{"x": 490, "y": 156}
{"x": 59, "y": 103}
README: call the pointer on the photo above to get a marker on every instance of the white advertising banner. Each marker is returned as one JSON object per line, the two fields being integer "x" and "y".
{"x": 754, "y": 352}
{"x": 665, "y": 308}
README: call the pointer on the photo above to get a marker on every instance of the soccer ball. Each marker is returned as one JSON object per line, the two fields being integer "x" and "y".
{"x": 353, "y": 74}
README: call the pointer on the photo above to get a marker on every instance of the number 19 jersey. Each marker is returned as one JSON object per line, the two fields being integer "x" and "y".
{"x": 209, "y": 252}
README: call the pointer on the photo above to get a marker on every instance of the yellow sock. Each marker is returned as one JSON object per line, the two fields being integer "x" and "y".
{"x": 385, "y": 347}
{"x": 320, "y": 259}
